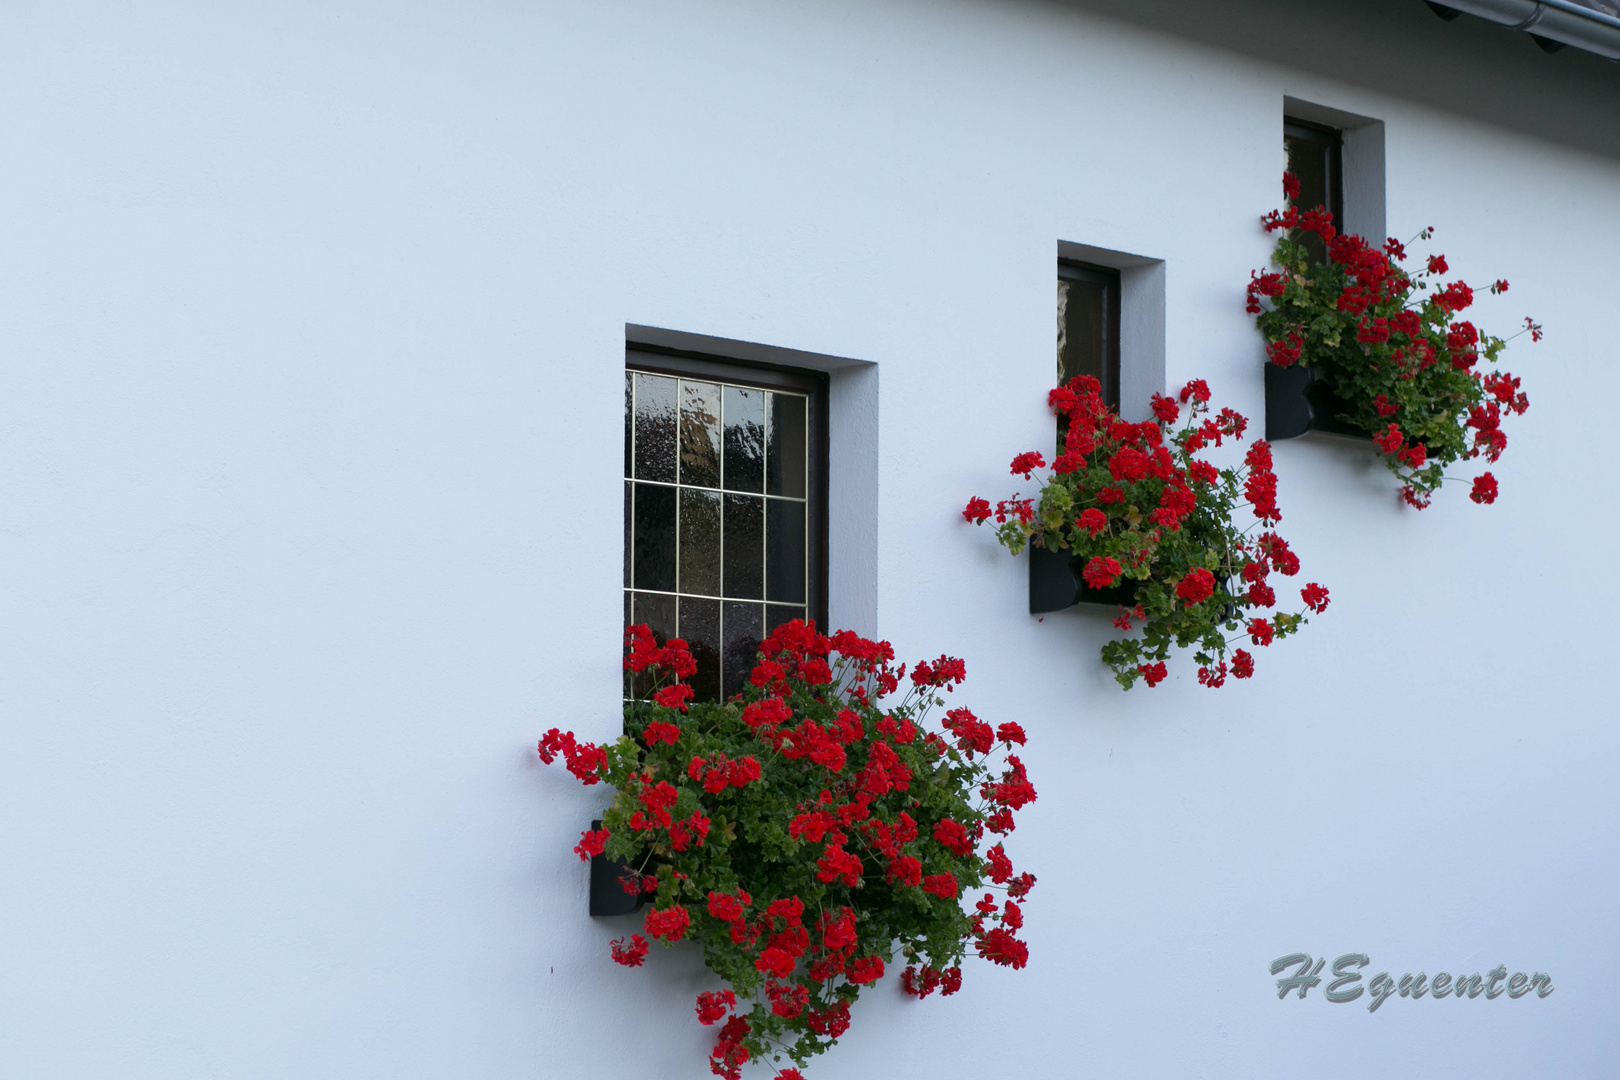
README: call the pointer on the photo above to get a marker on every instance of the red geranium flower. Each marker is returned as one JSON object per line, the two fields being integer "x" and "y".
{"x": 632, "y": 955}
{"x": 1102, "y": 571}
{"x": 1196, "y": 587}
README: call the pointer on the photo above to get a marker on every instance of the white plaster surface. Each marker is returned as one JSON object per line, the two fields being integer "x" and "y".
{"x": 311, "y": 330}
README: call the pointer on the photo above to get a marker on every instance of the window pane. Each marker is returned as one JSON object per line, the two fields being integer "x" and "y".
{"x": 777, "y": 614}
{"x": 657, "y": 611}
{"x": 1081, "y": 330}
{"x": 700, "y": 434}
{"x": 745, "y": 547}
{"x": 745, "y": 439}
{"x": 700, "y": 542}
{"x": 785, "y": 445}
{"x": 654, "y": 547}
{"x": 1308, "y": 161}
{"x": 743, "y": 630}
{"x": 700, "y": 627}
{"x": 655, "y": 428}
{"x": 629, "y": 534}
{"x": 784, "y": 553}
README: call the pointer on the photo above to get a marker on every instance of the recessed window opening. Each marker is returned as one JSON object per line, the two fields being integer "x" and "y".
{"x": 1316, "y": 158}
{"x": 1088, "y": 325}
{"x": 724, "y": 507}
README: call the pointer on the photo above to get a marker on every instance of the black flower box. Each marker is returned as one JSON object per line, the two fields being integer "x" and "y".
{"x": 1301, "y": 399}
{"x": 1055, "y": 584}
{"x": 607, "y": 894}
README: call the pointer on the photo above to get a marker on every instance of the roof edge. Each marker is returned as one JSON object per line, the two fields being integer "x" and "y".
{"x": 1561, "y": 21}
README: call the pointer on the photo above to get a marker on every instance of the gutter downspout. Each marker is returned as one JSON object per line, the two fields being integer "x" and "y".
{"x": 1563, "y": 21}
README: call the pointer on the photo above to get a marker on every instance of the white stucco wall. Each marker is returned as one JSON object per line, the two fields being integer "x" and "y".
{"x": 311, "y": 330}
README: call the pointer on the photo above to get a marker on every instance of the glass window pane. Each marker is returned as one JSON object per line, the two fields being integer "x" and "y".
{"x": 654, "y": 547}
{"x": 700, "y": 434}
{"x": 1308, "y": 161}
{"x": 785, "y": 446}
{"x": 777, "y": 614}
{"x": 745, "y": 439}
{"x": 745, "y": 547}
{"x": 700, "y": 542}
{"x": 655, "y": 427}
{"x": 700, "y": 628}
{"x": 658, "y": 612}
{"x": 629, "y": 534}
{"x": 629, "y": 421}
{"x": 743, "y": 626}
{"x": 1080, "y": 330}
{"x": 784, "y": 553}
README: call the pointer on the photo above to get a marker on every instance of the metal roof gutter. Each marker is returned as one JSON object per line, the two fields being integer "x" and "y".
{"x": 1560, "y": 21}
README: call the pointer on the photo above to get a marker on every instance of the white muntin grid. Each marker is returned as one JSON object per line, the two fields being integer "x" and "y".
{"x": 690, "y": 394}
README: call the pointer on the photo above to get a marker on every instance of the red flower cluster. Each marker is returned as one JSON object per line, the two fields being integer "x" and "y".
{"x": 1196, "y": 587}
{"x": 713, "y": 1006}
{"x": 585, "y": 760}
{"x": 1102, "y": 571}
{"x": 1260, "y": 488}
{"x": 887, "y": 814}
{"x": 631, "y": 955}
{"x": 1139, "y": 509}
{"x": 1284, "y": 351}
{"x": 920, "y": 982}
{"x": 1000, "y": 947}
{"x": 591, "y": 843}
{"x": 1390, "y": 343}
{"x": 1024, "y": 464}
{"x": 670, "y": 924}
{"x": 720, "y": 773}
{"x": 730, "y": 1052}
{"x": 658, "y": 731}
{"x": 644, "y": 652}
{"x": 947, "y": 672}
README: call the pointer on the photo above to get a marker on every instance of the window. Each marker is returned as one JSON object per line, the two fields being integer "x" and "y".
{"x": 724, "y": 506}
{"x": 1315, "y": 156}
{"x": 1088, "y": 333}
{"x": 1339, "y": 158}
{"x": 1088, "y": 325}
